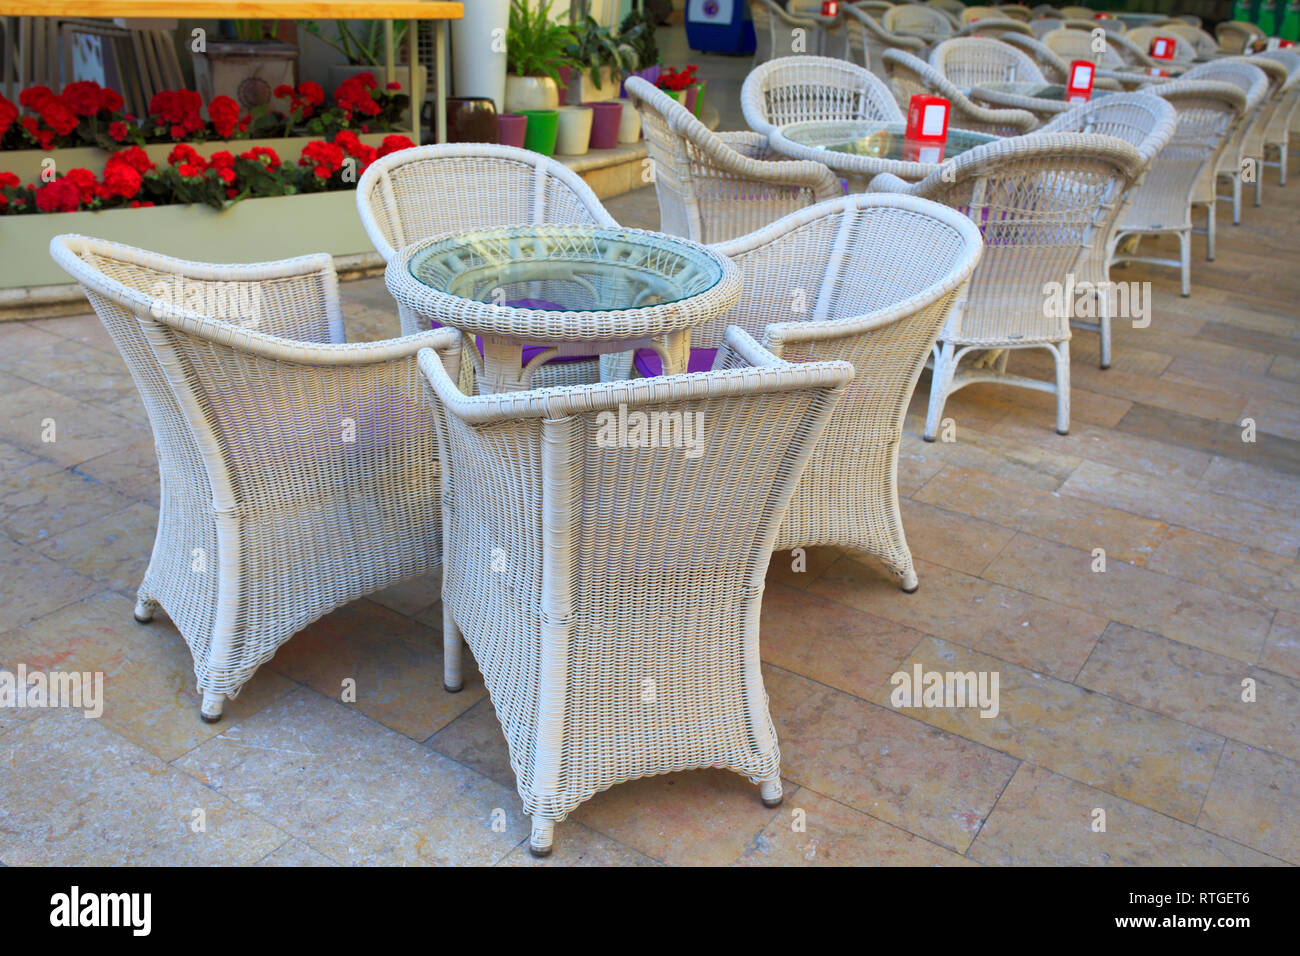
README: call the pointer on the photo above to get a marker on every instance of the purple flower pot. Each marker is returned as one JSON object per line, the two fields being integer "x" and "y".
{"x": 565, "y": 72}
{"x": 650, "y": 74}
{"x": 604, "y": 123}
{"x": 511, "y": 128}
{"x": 689, "y": 97}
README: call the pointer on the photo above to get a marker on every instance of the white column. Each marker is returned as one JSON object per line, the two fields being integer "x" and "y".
{"x": 479, "y": 53}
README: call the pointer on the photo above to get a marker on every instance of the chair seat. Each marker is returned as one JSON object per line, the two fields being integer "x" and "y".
{"x": 649, "y": 364}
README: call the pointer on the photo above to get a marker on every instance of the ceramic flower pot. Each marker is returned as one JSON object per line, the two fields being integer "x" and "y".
{"x": 246, "y": 72}
{"x": 525, "y": 93}
{"x": 605, "y": 121}
{"x": 471, "y": 119}
{"x": 690, "y": 96}
{"x": 629, "y": 124}
{"x": 673, "y": 94}
{"x": 699, "y": 98}
{"x": 573, "y": 135}
{"x": 542, "y": 128}
{"x": 512, "y": 129}
{"x": 650, "y": 74}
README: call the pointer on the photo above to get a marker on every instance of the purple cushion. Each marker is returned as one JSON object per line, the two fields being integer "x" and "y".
{"x": 649, "y": 364}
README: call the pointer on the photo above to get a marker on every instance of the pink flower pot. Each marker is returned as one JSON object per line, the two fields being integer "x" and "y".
{"x": 604, "y": 124}
{"x": 689, "y": 97}
{"x": 511, "y": 128}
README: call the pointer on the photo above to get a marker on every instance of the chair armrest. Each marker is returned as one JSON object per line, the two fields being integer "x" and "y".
{"x": 889, "y": 183}
{"x": 749, "y": 144}
{"x": 739, "y": 349}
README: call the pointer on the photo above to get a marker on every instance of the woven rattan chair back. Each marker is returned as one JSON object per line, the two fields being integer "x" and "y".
{"x": 798, "y": 89}
{"x": 909, "y": 76}
{"x": 972, "y": 61}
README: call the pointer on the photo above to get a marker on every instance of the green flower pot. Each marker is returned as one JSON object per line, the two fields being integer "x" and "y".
{"x": 543, "y": 125}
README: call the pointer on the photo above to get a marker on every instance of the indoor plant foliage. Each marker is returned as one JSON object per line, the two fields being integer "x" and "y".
{"x": 362, "y": 45}
{"x": 603, "y": 56}
{"x": 536, "y": 47}
{"x": 638, "y": 31}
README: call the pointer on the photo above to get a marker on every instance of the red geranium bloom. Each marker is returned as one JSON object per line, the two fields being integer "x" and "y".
{"x": 120, "y": 180}
{"x": 62, "y": 195}
{"x": 184, "y": 153}
{"x": 8, "y": 115}
{"x": 326, "y": 157}
{"x": 117, "y": 131}
{"x": 140, "y": 203}
{"x": 264, "y": 155}
{"x": 110, "y": 100}
{"x": 85, "y": 182}
{"x": 9, "y": 181}
{"x": 393, "y": 85}
{"x": 190, "y": 171}
{"x": 82, "y": 98}
{"x": 222, "y": 159}
{"x": 132, "y": 156}
{"x": 313, "y": 93}
{"x": 58, "y": 117}
{"x": 225, "y": 116}
{"x": 354, "y": 95}
{"x": 393, "y": 143}
{"x": 283, "y": 91}
{"x": 44, "y": 137}
{"x": 34, "y": 97}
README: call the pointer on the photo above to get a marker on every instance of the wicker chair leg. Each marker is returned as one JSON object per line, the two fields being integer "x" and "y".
{"x": 1259, "y": 183}
{"x": 1185, "y": 259}
{"x": 452, "y": 681}
{"x": 940, "y": 382}
{"x": 1103, "y": 327}
{"x": 144, "y": 610}
{"x": 770, "y": 791}
{"x": 213, "y": 704}
{"x": 908, "y": 580}
{"x": 1209, "y": 234}
{"x": 542, "y": 841}
{"x": 1236, "y": 198}
{"x": 1062, "y": 353}
{"x": 1282, "y": 161}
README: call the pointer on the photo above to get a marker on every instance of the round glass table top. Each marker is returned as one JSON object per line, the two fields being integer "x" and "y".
{"x": 1039, "y": 91}
{"x": 566, "y": 281}
{"x": 878, "y": 140}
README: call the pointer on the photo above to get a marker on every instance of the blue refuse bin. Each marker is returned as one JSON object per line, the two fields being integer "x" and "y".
{"x": 720, "y": 26}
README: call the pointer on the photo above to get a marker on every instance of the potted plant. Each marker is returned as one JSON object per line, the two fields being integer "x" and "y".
{"x": 638, "y": 31}
{"x": 246, "y": 67}
{"x": 362, "y": 44}
{"x": 681, "y": 85}
{"x": 605, "y": 58}
{"x": 535, "y": 49}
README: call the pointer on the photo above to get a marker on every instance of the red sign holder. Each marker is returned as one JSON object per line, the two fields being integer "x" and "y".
{"x": 927, "y": 129}
{"x": 1079, "y": 87}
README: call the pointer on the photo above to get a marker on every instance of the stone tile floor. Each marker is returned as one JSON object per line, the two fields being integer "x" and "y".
{"x": 1119, "y": 691}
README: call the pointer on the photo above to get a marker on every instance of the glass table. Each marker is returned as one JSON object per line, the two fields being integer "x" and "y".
{"x": 861, "y": 149}
{"x": 533, "y": 293}
{"x": 1044, "y": 100}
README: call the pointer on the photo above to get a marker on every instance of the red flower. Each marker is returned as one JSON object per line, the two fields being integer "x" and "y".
{"x": 134, "y": 157}
{"x": 231, "y": 192}
{"x": 8, "y": 115}
{"x": 283, "y": 91}
{"x": 85, "y": 182}
{"x": 120, "y": 180}
{"x": 34, "y": 97}
{"x": 110, "y": 100}
{"x": 178, "y": 111}
{"x": 325, "y": 157}
{"x": 227, "y": 175}
{"x": 187, "y": 155}
{"x": 354, "y": 95}
{"x": 9, "y": 181}
{"x": 312, "y": 93}
{"x": 190, "y": 171}
{"x": 263, "y": 155}
{"x": 225, "y": 116}
{"x": 140, "y": 203}
{"x": 44, "y": 137}
{"x": 394, "y": 85}
{"x": 393, "y": 143}
{"x": 223, "y": 159}
{"x": 118, "y": 131}
{"x": 58, "y": 117}
{"x": 62, "y": 195}
{"x": 82, "y": 98}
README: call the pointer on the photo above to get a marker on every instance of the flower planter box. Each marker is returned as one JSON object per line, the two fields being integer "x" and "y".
{"x": 250, "y": 231}
{"x": 26, "y": 163}
{"x": 581, "y": 89}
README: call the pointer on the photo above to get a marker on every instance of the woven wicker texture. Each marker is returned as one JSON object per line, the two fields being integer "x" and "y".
{"x": 1045, "y": 204}
{"x": 713, "y": 187}
{"x": 869, "y": 279}
{"x": 1277, "y": 133}
{"x": 778, "y": 32}
{"x": 799, "y": 89}
{"x": 970, "y": 61}
{"x": 909, "y": 76}
{"x": 973, "y": 13}
{"x": 1249, "y": 76}
{"x": 1141, "y": 37}
{"x": 868, "y": 40}
{"x": 610, "y": 592}
{"x": 1234, "y": 35}
{"x": 1162, "y": 201}
{"x": 906, "y": 18}
{"x": 298, "y": 472}
{"x": 995, "y": 27}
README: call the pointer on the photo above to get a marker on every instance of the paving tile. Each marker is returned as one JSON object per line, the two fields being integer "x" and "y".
{"x": 413, "y": 596}
{"x": 113, "y": 550}
{"x": 1183, "y": 610}
{"x": 394, "y": 664}
{"x": 1117, "y": 449}
{"x": 1196, "y": 687}
{"x": 1253, "y": 800}
{"x": 44, "y": 498}
{"x": 1005, "y": 622}
{"x": 1282, "y": 649}
{"x": 1246, "y": 522}
{"x": 577, "y": 845}
{"x": 1242, "y": 479}
{"x": 80, "y": 432}
{"x": 1269, "y": 450}
{"x": 1035, "y": 465}
{"x": 149, "y": 685}
{"x": 831, "y": 643}
{"x": 295, "y": 853}
{"x": 1250, "y": 573}
{"x": 827, "y": 833}
{"x": 797, "y": 571}
{"x": 476, "y": 739}
{"x": 75, "y": 793}
{"x": 34, "y": 585}
{"x": 131, "y": 470}
{"x": 940, "y": 534}
{"x": 1046, "y": 514}
{"x": 353, "y": 790}
{"x": 85, "y": 329}
{"x": 873, "y": 759}
{"x": 1044, "y": 819}
{"x": 1133, "y": 753}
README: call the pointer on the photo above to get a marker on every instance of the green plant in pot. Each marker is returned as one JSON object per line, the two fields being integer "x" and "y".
{"x": 362, "y": 44}
{"x": 536, "y": 48}
{"x": 605, "y": 59}
{"x": 247, "y": 65}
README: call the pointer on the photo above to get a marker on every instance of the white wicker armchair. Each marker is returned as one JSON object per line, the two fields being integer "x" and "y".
{"x": 713, "y": 186}
{"x": 995, "y": 27}
{"x": 1072, "y": 45}
{"x": 610, "y": 588}
{"x": 915, "y": 18}
{"x": 868, "y": 40}
{"x": 776, "y": 30}
{"x": 796, "y": 89}
{"x": 298, "y": 472}
{"x": 1235, "y": 35}
{"x": 1277, "y": 134}
{"x": 909, "y": 76}
{"x": 967, "y": 62}
{"x": 1249, "y": 77}
{"x": 1162, "y": 201}
{"x": 1045, "y": 204}
{"x": 972, "y": 13}
{"x": 869, "y": 279}
{"x": 1141, "y": 37}
{"x": 1056, "y": 69}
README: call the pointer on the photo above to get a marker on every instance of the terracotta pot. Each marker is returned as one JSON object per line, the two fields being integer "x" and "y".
{"x": 246, "y": 72}
{"x": 573, "y": 136}
{"x": 605, "y": 121}
{"x": 543, "y": 125}
{"x": 512, "y": 129}
{"x": 629, "y": 124}
{"x": 525, "y": 93}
